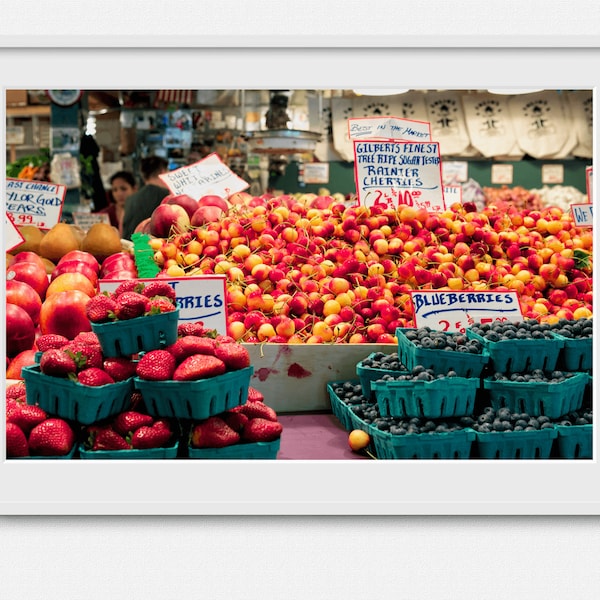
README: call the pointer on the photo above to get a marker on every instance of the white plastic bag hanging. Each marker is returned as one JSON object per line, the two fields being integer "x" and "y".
{"x": 489, "y": 124}
{"x": 539, "y": 123}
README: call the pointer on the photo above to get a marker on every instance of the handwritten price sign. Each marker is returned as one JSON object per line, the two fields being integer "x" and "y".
{"x": 395, "y": 173}
{"x": 444, "y": 310}
{"x": 37, "y": 203}
{"x": 205, "y": 177}
{"x": 12, "y": 235}
{"x": 392, "y": 128}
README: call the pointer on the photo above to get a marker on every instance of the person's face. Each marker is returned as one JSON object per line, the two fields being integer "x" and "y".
{"x": 121, "y": 189}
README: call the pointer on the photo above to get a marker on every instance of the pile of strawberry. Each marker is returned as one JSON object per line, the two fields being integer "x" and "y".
{"x": 30, "y": 431}
{"x": 81, "y": 360}
{"x": 131, "y": 299}
{"x": 129, "y": 430}
{"x": 198, "y": 353}
{"x": 249, "y": 423}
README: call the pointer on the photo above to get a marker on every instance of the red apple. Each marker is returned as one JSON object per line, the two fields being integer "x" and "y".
{"x": 213, "y": 200}
{"x": 20, "y": 330}
{"x": 30, "y": 273}
{"x": 240, "y": 198}
{"x": 82, "y": 257}
{"x": 23, "y": 359}
{"x": 168, "y": 219}
{"x": 28, "y": 256}
{"x": 71, "y": 281}
{"x": 75, "y": 266}
{"x": 206, "y": 214}
{"x": 64, "y": 313}
{"x": 23, "y": 295}
{"x": 189, "y": 204}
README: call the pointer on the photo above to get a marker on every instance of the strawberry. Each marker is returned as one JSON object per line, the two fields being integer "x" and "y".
{"x": 213, "y": 433}
{"x": 16, "y": 441}
{"x": 199, "y": 366}
{"x": 257, "y": 409}
{"x": 89, "y": 338}
{"x": 131, "y": 285}
{"x": 159, "y": 288}
{"x": 85, "y": 355}
{"x": 130, "y": 420}
{"x": 196, "y": 328}
{"x": 136, "y": 400}
{"x": 261, "y": 430}
{"x": 25, "y": 416}
{"x": 119, "y": 367}
{"x": 93, "y": 376}
{"x": 50, "y": 340}
{"x": 15, "y": 391}
{"x": 101, "y": 308}
{"x": 146, "y": 436}
{"x": 131, "y": 305}
{"x": 52, "y": 437}
{"x": 160, "y": 304}
{"x": 107, "y": 439}
{"x": 234, "y": 355}
{"x": 225, "y": 339}
{"x": 255, "y": 395}
{"x": 57, "y": 363}
{"x": 191, "y": 344}
{"x": 156, "y": 365}
{"x": 235, "y": 420}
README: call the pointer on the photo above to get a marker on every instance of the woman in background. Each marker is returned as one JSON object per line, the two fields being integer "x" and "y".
{"x": 122, "y": 185}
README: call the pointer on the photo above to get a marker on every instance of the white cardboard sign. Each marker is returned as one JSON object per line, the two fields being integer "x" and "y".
{"x": 391, "y": 128}
{"x": 398, "y": 172}
{"x": 583, "y": 215}
{"x": 38, "y": 203}
{"x": 12, "y": 235}
{"x": 86, "y": 220}
{"x": 445, "y": 310}
{"x": 206, "y": 177}
{"x": 202, "y": 298}
{"x": 452, "y": 194}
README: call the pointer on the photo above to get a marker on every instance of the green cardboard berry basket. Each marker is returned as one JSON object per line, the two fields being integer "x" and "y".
{"x": 342, "y": 411}
{"x": 133, "y": 454}
{"x": 68, "y": 456}
{"x": 516, "y": 444}
{"x": 74, "y": 401}
{"x": 515, "y": 356}
{"x": 368, "y": 374}
{"x": 448, "y": 397}
{"x": 241, "y": 451}
{"x": 576, "y": 353}
{"x": 423, "y": 446}
{"x": 197, "y": 399}
{"x": 538, "y": 398}
{"x": 465, "y": 364}
{"x": 575, "y": 441}
{"x": 142, "y": 334}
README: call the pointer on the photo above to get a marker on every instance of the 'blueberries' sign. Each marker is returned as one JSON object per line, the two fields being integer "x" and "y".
{"x": 206, "y": 177}
{"x": 445, "y": 310}
{"x": 397, "y": 172}
{"x": 37, "y": 203}
{"x": 391, "y": 128}
{"x": 201, "y": 298}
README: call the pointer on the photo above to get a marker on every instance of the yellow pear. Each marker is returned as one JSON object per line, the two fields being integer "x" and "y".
{"x": 101, "y": 240}
{"x": 33, "y": 236}
{"x": 58, "y": 241}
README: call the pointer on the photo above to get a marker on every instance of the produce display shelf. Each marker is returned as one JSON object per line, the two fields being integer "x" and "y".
{"x": 538, "y": 398}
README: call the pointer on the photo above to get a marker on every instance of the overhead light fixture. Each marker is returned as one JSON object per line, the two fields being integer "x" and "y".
{"x": 514, "y": 91}
{"x": 379, "y": 91}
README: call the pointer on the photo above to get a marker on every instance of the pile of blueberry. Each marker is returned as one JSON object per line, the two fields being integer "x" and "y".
{"x": 424, "y": 337}
{"x": 380, "y": 360}
{"x": 419, "y": 373}
{"x": 525, "y": 330}
{"x": 536, "y": 375}
{"x": 577, "y": 417}
{"x": 351, "y": 395}
{"x": 577, "y": 329}
{"x": 503, "y": 419}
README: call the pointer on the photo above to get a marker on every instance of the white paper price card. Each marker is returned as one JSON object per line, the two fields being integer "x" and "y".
{"x": 38, "y": 203}
{"x": 199, "y": 298}
{"x": 316, "y": 172}
{"x": 444, "y": 310}
{"x": 12, "y": 235}
{"x": 391, "y": 128}
{"x": 502, "y": 174}
{"x": 452, "y": 194}
{"x": 86, "y": 220}
{"x": 583, "y": 214}
{"x": 454, "y": 172}
{"x": 206, "y": 177}
{"x": 395, "y": 173}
